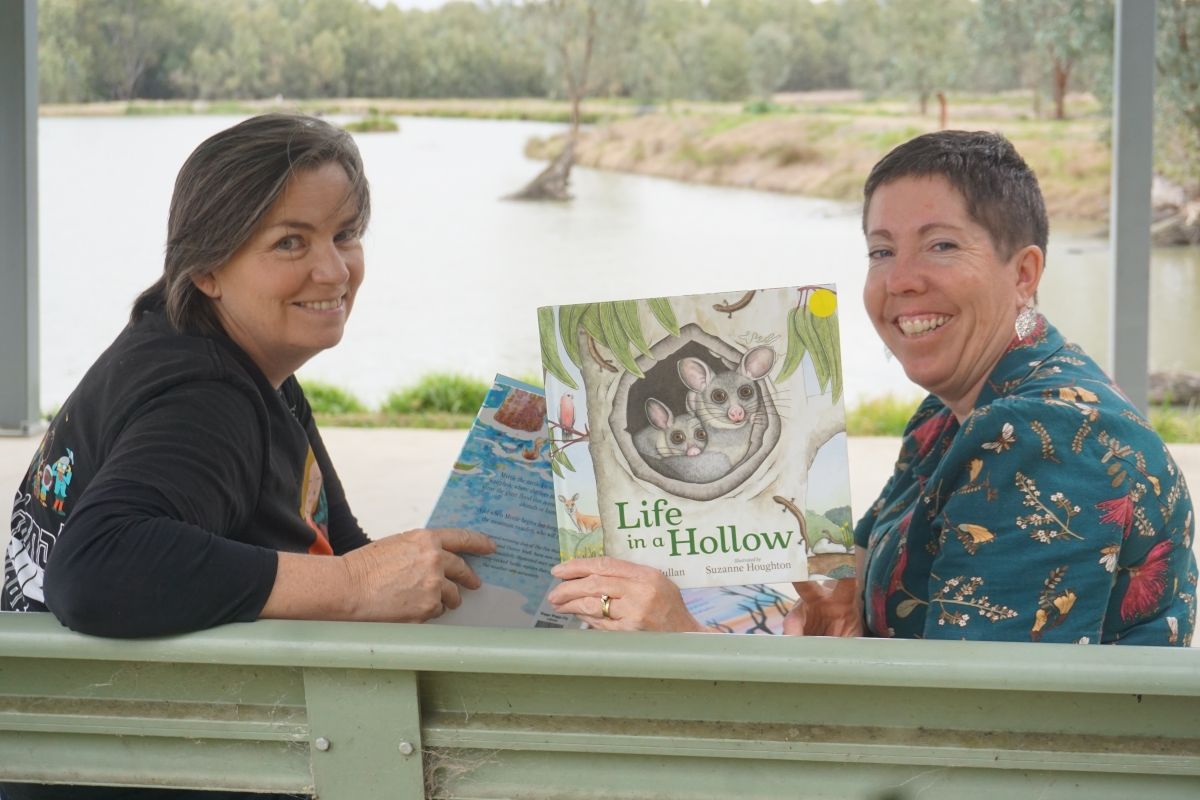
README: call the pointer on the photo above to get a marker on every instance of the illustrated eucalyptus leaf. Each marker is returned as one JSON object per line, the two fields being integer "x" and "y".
{"x": 569, "y": 319}
{"x": 795, "y": 349}
{"x": 591, "y": 323}
{"x": 660, "y": 307}
{"x": 549, "y": 342}
{"x": 616, "y": 339}
{"x": 627, "y": 314}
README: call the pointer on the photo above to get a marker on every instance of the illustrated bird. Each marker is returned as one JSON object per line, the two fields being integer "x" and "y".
{"x": 566, "y": 411}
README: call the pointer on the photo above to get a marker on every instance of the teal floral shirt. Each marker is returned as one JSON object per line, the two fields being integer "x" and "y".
{"x": 1053, "y": 513}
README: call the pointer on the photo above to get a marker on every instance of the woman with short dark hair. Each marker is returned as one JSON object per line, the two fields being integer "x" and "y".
{"x": 1030, "y": 501}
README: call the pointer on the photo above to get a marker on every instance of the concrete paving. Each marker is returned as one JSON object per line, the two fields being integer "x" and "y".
{"x": 393, "y": 476}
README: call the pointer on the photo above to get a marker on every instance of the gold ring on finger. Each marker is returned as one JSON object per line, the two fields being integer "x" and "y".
{"x": 605, "y": 608}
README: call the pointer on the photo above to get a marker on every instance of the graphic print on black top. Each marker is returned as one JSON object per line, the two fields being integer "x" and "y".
{"x": 47, "y": 482}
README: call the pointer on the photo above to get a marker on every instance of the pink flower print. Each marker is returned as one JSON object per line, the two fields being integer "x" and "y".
{"x": 1146, "y": 583}
{"x": 929, "y": 431}
{"x": 1120, "y": 511}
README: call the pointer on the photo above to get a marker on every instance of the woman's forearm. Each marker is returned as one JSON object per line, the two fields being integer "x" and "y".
{"x": 311, "y": 587}
{"x": 409, "y": 577}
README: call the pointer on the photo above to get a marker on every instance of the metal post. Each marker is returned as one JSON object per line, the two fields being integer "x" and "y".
{"x": 366, "y": 733}
{"x": 19, "y": 363}
{"x": 1133, "y": 165}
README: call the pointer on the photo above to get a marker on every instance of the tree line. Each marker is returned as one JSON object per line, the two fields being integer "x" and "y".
{"x": 649, "y": 51}
{"x": 654, "y": 50}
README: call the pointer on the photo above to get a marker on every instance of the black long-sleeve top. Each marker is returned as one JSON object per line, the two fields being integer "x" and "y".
{"x": 164, "y": 487}
{"x": 160, "y": 496}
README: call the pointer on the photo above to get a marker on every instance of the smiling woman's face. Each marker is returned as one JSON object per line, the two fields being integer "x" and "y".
{"x": 938, "y": 293}
{"x": 285, "y": 295}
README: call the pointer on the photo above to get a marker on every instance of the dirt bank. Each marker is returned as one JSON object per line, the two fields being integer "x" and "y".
{"x": 828, "y": 153}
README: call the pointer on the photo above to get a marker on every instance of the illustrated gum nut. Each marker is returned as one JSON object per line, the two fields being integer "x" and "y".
{"x": 822, "y": 303}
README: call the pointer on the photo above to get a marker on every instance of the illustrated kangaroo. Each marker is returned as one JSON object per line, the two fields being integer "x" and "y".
{"x": 727, "y": 401}
{"x": 584, "y": 523}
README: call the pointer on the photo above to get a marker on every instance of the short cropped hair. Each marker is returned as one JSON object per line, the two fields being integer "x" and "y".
{"x": 223, "y": 191}
{"x": 1000, "y": 190}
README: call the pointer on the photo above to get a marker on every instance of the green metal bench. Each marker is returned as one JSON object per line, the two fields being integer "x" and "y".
{"x": 361, "y": 711}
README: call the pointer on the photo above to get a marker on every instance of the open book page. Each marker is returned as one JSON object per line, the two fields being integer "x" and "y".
{"x": 501, "y": 486}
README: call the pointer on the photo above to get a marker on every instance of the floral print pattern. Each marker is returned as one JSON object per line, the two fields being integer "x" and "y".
{"x": 1052, "y": 513}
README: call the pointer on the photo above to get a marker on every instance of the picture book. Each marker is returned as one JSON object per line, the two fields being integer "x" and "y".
{"x": 703, "y": 435}
{"x": 501, "y": 486}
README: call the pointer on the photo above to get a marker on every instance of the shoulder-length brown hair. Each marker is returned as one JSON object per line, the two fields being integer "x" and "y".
{"x": 221, "y": 194}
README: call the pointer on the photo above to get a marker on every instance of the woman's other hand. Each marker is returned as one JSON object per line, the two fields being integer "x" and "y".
{"x": 411, "y": 577}
{"x": 416, "y": 575}
{"x": 640, "y": 598}
{"x": 829, "y": 608}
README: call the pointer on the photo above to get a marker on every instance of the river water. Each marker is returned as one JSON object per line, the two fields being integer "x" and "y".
{"x": 455, "y": 274}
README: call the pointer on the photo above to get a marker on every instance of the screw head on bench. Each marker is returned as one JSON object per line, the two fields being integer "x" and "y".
{"x": 321, "y": 744}
{"x": 406, "y": 749}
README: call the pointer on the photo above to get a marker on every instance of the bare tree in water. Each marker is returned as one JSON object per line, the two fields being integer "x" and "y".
{"x": 759, "y": 615}
{"x": 584, "y": 41}
{"x": 759, "y": 598}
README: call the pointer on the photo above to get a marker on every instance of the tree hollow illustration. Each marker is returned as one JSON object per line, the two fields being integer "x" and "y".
{"x": 702, "y": 420}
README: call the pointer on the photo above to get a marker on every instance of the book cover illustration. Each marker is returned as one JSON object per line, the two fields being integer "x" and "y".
{"x": 703, "y": 435}
{"x": 501, "y": 486}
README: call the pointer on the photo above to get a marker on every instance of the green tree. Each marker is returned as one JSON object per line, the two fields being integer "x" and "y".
{"x": 820, "y": 53}
{"x": 390, "y": 60}
{"x": 1057, "y": 39}
{"x": 1178, "y": 92}
{"x": 1005, "y": 56}
{"x": 128, "y": 40}
{"x": 326, "y": 65}
{"x": 715, "y": 61}
{"x": 769, "y": 53}
{"x": 64, "y": 62}
{"x": 814, "y": 59}
{"x": 862, "y": 30}
{"x": 928, "y": 45}
{"x": 653, "y": 69}
{"x": 1071, "y": 33}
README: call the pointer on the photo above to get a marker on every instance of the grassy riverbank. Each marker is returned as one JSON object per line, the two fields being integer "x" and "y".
{"x": 448, "y": 400}
{"x": 531, "y": 109}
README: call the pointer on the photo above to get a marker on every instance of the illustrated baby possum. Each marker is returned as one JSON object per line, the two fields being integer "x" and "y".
{"x": 675, "y": 446}
{"x": 669, "y": 435}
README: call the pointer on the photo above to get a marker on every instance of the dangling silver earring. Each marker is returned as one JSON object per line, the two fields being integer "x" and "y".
{"x": 1026, "y": 321}
{"x": 888, "y": 355}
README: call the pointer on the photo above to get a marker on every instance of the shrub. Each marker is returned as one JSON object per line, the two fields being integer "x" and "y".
{"x": 1176, "y": 423}
{"x": 786, "y": 155}
{"x": 446, "y": 392}
{"x": 373, "y": 123}
{"x": 880, "y": 416}
{"x": 325, "y": 398}
{"x": 766, "y": 107}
